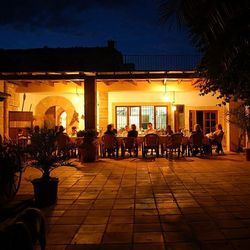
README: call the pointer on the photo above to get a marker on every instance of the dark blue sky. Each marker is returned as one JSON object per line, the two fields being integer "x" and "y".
{"x": 133, "y": 24}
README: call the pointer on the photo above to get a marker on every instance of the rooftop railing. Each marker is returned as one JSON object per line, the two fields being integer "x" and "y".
{"x": 162, "y": 62}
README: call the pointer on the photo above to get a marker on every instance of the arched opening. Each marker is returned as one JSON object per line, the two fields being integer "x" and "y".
{"x": 63, "y": 119}
{"x": 55, "y": 111}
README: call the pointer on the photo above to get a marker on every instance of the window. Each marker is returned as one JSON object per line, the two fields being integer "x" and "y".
{"x": 210, "y": 120}
{"x": 121, "y": 117}
{"x": 207, "y": 120}
{"x": 141, "y": 116}
{"x": 147, "y": 113}
{"x": 160, "y": 117}
{"x": 134, "y": 116}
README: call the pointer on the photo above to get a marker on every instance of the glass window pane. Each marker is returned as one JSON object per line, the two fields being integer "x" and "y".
{"x": 213, "y": 116}
{"x": 147, "y": 115}
{"x": 121, "y": 117}
{"x": 134, "y": 116}
{"x": 207, "y": 115}
{"x": 161, "y": 117}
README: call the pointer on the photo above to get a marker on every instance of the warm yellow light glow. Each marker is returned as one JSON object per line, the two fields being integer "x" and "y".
{"x": 77, "y": 98}
{"x": 173, "y": 108}
{"x": 166, "y": 98}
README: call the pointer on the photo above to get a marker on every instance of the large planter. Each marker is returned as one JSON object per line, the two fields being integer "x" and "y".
{"x": 89, "y": 150}
{"x": 45, "y": 191}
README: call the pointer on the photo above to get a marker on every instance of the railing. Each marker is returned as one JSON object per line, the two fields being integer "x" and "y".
{"x": 162, "y": 62}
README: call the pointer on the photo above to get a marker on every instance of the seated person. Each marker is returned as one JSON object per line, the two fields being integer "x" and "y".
{"x": 133, "y": 132}
{"x": 62, "y": 140}
{"x": 216, "y": 137}
{"x": 110, "y": 130}
{"x": 169, "y": 131}
{"x": 125, "y": 131}
{"x": 150, "y": 129}
{"x": 196, "y": 139}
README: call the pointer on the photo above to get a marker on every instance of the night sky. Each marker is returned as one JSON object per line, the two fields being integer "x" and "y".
{"x": 133, "y": 24}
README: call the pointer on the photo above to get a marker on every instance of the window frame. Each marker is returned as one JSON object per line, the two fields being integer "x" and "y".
{"x": 140, "y": 113}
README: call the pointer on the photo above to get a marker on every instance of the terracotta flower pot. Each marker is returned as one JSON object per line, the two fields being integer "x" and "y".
{"x": 89, "y": 150}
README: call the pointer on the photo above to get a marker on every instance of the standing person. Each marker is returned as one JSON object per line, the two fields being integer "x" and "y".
{"x": 150, "y": 129}
{"x": 133, "y": 132}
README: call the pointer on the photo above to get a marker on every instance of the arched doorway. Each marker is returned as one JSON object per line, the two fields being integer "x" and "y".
{"x": 52, "y": 110}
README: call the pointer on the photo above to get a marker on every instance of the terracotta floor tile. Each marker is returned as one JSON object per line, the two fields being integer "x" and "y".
{"x": 147, "y": 227}
{"x": 87, "y": 238}
{"x": 121, "y": 219}
{"x": 117, "y": 237}
{"x": 144, "y": 219}
{"x": 119, "y": 227}
{"x": 70, "y": 220}
{"x": 148, "y": 237}
{"x": 181, "y": 236}
{"x": 183, "y": 246}
{"x": 92, "y": 228}
{"x": 149, "y": 246}
{"x": 76, "y": 213}
{"x": 94, "y": 220}
{"x": 60, "y": 238}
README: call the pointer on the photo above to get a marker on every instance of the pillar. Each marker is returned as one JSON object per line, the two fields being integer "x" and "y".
{"x": 234, "y": 130}
{"x": 103, "y": 110}
{"x": 90, "y": 94}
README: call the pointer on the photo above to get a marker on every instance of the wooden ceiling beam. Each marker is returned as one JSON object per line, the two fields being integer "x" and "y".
{"x": 104, "y": 76}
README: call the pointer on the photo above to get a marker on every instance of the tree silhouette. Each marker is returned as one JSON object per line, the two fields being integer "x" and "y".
{"x": 220, "y": 30}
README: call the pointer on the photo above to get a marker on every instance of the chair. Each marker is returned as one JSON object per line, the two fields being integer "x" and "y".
{"x": 196, "y": 144}
{"x": 216, "y": 144}
{"x": 109, "y": 145}
{"x": 174, "y": 144}
{"x": 150, "y": 142}
{"x": 129, "y": 144}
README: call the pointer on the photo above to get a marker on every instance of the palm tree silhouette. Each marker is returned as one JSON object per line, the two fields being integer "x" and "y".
{"x": 220, "y": 30}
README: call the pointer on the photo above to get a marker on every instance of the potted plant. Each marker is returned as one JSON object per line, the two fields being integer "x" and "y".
{"x": 88, "y": 149}
{"x": 45, "y": 158}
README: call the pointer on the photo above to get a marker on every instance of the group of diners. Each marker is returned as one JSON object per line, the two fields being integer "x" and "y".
{"x": 29, "y": 137}
{"x": 196, "y": 143}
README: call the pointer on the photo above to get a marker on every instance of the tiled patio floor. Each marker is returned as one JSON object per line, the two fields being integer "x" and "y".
{"x": 191, "y": 203}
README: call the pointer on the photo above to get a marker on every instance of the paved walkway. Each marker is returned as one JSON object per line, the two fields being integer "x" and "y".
{"x": 191, "y": 203}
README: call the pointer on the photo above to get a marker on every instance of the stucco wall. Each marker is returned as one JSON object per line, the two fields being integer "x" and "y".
{"x": 33, "y": 99}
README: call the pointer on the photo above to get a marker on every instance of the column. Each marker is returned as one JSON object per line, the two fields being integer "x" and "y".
{"x": 103, "y": 110}
{"x": 90, "y": 102}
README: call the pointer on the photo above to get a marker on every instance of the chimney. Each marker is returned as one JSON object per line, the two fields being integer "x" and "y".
{"x": 111, "y": 44}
